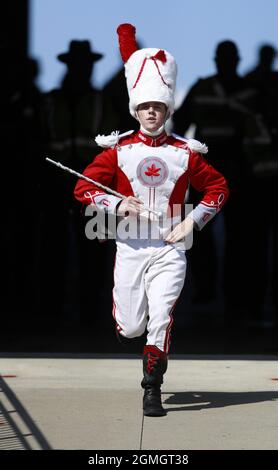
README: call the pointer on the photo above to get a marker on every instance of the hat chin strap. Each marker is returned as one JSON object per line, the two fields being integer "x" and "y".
{"x": 153, "y": 133}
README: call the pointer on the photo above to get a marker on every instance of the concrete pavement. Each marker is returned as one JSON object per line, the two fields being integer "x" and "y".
{"x": 94, "y": 401}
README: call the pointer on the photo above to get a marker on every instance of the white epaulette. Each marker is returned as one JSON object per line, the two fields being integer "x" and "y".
{"x": 111, "y": 140}
{"x": 193, "y": 144}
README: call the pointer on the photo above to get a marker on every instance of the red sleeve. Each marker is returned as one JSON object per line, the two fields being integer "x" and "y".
{"x": 208, "y": 180}
{"x": 103, "y": 170}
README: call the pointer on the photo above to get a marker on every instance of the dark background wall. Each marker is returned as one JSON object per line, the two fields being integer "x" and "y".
{"x": 26, "y": 325}
{"x": 15, "y": 24}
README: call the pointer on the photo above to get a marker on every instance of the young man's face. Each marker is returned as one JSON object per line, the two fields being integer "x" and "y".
{"x": 152, "y": 115}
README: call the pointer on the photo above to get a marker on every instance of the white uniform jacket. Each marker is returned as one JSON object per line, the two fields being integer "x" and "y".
{"x": 156, "y": 170}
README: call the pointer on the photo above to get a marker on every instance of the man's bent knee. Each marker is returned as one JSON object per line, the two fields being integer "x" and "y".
{"x": 133, "y": 331}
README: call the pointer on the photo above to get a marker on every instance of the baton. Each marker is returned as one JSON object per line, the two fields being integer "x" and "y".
{"x": 96, "y": 183}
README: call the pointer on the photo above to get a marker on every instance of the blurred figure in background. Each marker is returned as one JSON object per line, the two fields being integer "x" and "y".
{"x": 116, "y": 93}
{"x": 261, "y": 147}
{"x": 75, "y": 111}
{"x": 21, "y": 134}
{"x": 217, "y": 106}
{"x": 74, "y": 115}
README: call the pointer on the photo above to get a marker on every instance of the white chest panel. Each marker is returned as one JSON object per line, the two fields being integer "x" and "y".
{"x": 153, "y": 171}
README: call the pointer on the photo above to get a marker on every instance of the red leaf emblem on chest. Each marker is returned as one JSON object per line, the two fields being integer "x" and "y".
{"x": 152, "y": 171}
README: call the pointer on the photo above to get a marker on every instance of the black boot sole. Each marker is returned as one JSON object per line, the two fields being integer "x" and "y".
{"x": 154, "y": 413}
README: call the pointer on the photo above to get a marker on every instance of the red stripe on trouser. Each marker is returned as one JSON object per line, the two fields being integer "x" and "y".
{"x": 114, "y": 305}
{"x": 114, "y": 316}
{"x": 167, "y": 341}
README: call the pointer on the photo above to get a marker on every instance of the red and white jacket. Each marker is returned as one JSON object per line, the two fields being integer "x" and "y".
{"x": 156, "y": 170}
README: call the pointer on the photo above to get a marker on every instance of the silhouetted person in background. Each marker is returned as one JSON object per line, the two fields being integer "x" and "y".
{"x": 31, "y": 158}
{"x": 261, "y": 146}
{"x": 75, "y": 111}
{"x": 217, "y": 106}
{"x": 263, "y": 77}
{"x": 115, "y": 91}
{"x": 21, "y": 132}
{"x": 74, "y": 115}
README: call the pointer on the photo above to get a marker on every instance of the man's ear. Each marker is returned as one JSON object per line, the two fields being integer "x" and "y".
{"x": 136, "y": 115}
{"x": 167, "y": 115}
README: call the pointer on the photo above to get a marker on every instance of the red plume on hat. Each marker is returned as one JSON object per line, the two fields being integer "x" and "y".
{"x": 127, "y": 40}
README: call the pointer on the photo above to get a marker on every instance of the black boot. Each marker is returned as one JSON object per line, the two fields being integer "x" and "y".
{"x": 154, "y": 366}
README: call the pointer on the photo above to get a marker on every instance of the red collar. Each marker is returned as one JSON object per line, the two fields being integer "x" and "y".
{"x": 153, "y": 141}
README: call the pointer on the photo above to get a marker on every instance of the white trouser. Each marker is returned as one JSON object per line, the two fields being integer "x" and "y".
{"x": 148, "y": 279}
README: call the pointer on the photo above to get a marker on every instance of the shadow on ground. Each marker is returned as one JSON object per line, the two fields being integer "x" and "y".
{"x": 16, "y": 424}
{"x": 199, "y": 400}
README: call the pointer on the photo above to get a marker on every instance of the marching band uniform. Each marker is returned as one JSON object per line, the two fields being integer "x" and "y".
{"x": 157, "y": 168}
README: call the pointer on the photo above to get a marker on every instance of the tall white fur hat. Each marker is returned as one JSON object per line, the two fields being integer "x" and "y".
{"x": 150, "y": 73}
